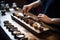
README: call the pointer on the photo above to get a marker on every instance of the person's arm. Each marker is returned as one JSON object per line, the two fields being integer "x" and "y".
{"x": 55, "y": 21}
{"x": 26, "y": 8}
{"x": 35, "y": 4}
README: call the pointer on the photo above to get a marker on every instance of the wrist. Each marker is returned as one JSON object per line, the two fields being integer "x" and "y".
{"x": 31, "y": 5}
{"x": 52, "y": 20}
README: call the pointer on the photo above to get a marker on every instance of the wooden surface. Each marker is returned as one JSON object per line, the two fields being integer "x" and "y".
{"x": 50, "y": 36}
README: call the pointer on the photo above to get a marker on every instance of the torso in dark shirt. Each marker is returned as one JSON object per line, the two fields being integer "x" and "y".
{"x": 52, "y": 9}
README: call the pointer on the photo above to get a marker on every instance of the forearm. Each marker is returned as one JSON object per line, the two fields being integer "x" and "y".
{"x": 35, "y": 4}
{"x": 55, "y": 21}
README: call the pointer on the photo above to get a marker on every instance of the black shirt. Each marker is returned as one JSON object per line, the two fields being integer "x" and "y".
{"x": 51, "y": 8}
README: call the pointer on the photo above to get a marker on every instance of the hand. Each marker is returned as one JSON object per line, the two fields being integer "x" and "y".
{"x": 44, "y": 18}
{"x": 26, "y": 8}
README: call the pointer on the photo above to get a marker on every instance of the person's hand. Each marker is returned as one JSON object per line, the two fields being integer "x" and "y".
{"x": 44, "y": 18}
{"x": 26, "y": 8}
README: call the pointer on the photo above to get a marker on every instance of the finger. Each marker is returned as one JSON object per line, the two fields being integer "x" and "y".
{"x": 24, "y": 9}
{"x": 27, "y": 9}
{"x": 40, "y": 19}
{"x": 39, "y": 16}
